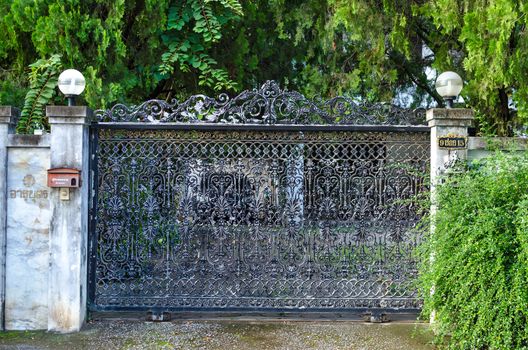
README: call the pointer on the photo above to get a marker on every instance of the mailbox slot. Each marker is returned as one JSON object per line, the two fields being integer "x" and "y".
{"x": 64, "y": 178}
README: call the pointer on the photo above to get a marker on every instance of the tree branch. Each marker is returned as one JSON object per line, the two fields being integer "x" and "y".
{"x": 417, "y": 78}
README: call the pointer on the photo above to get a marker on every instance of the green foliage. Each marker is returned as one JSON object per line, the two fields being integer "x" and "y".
{"x": 360, "y": 48}
{"x": 42, "y": 82}
{"x": 486, "y": 41}
{"x": 12, "y": 89}
{"x": 115, "y": 44}
{"x": 128, "y": 50}
{"x": 476, "y": 262}
{"x": 259, "y": 47}
{"x": 392, "y": 50}
{"x": 133, "y": 50}
{"x": 193, "y": 27}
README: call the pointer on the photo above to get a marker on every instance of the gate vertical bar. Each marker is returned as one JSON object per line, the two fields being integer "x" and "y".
{"x": 92, "y": 195}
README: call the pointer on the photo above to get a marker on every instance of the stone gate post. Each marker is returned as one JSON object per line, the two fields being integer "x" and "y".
{"x": 69, "y": 220}
{"x": 449, "y": 131}
{"x": 449, "y": 142}
{"x": 8, "y": 117}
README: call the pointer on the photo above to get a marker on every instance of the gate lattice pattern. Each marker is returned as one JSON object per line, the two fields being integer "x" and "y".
{"x": 257, "y": 219}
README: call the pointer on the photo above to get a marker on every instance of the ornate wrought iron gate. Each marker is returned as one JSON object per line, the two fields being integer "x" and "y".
{"x": 292, "y": 208}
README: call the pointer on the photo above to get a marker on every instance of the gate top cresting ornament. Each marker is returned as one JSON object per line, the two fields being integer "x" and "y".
{"x": 268, "y": 105}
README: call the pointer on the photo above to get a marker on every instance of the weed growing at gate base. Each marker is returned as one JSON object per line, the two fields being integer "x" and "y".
{"x": 474, "y": 269}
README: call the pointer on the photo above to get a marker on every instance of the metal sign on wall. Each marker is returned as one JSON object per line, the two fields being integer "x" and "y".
{"x": 452, "y": 141}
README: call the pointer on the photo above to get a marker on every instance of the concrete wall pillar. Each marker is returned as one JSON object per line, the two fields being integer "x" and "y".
{"x": 69, "y": 220}
{"x": 447, "y": 124}
{"x": 8, "y": 118}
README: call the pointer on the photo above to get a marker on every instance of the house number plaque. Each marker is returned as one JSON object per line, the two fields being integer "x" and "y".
{"x": 451, "y": 141}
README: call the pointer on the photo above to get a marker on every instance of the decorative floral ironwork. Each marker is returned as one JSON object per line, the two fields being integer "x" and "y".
{"x": 257, "y": 219}
{"x": 267, "y": 105}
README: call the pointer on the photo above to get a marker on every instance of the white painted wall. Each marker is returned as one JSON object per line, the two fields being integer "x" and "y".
{"x": 27, "y": 233}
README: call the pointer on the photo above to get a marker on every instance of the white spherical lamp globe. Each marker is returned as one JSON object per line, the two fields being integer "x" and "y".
{"x": 71, "y": 82}
{"x": 448, "y": 85}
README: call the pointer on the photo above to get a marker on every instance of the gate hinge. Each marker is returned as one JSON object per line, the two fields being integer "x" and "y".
{"x": 158, "y": 316}
{"x": 376, "y": 317}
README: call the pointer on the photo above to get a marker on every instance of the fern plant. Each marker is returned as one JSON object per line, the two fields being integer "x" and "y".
{"x": 43, "y": 77}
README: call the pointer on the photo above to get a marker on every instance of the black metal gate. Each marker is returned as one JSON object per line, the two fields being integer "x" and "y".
{"x": 268, "y": 201}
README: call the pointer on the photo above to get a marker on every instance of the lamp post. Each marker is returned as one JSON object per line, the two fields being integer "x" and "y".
{"x": 71, "y": 84}
{"x": 448, "y": 85}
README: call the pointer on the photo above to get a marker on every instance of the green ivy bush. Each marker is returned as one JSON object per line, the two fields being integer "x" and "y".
{"x": 474, "y": 269}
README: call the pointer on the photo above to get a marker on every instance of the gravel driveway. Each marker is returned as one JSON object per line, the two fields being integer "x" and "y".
{"x": 228, "y": 335}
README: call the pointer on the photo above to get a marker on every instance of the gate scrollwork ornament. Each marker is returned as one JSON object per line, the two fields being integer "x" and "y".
{"x": 267, "y": 105}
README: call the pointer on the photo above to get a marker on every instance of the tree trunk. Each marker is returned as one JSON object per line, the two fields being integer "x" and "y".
{"x": 504, "y": 116}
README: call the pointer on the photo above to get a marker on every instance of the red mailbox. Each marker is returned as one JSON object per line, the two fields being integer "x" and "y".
{"x": 64, "y": 177}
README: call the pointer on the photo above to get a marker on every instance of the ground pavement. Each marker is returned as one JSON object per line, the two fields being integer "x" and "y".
{"x": 228, "y": 335}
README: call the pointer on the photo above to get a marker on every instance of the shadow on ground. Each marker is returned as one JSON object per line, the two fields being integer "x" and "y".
{"x": 227, "y": 335}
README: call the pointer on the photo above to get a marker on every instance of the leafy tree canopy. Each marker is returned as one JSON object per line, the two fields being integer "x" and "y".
{"x": 386, "y": 50}
{"x": 392, "y": 49}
